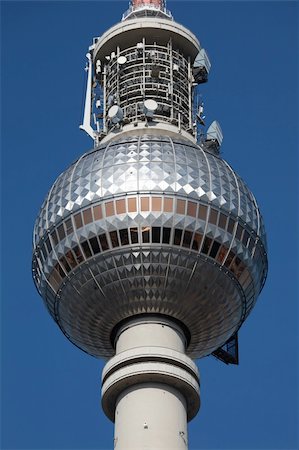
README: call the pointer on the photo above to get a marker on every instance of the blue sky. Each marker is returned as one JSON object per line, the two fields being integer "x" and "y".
{"x": 51, "y": 390}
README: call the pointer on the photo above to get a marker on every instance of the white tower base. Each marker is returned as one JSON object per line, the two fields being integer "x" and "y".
{"x": 150, "y": 388}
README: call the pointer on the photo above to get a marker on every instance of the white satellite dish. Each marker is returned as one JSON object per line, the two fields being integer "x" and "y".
{"x": 150, "y": 106}
{"x": 115, "y": 114}
{"x": 121, "y": 60}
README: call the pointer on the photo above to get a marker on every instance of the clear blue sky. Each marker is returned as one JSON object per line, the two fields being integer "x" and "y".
{"x": 51, "y": 390}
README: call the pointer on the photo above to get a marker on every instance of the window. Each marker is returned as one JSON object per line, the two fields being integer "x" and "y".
{"x": 222, "y": 221}
{"x": 43, "y": 252}
{"x": 86, "y": 249}
{"x": 120, "y": 206}
{"x": 114, "y": 239}
{"x": 78, "y": 254}
{"x": 156, "y": 203}
{"x": 191, "y": 209}
{"x": 187, "y": 239}
{"x": 213, "y": 216}
{"x": 104, "y": 242}
{"x": 166, "y": 235}
{"x": 239, "y": 232}
{"x": 231, "y": 225}
{"x": 168, "y": 204}
{"x": 48, "y": 245}
{"x": 54, "y": 237}
{"x": 180, "y": 206}
{"x": 87, "y": 216}
{"x": 221, "y": 254}
{"x": 71, "y": 259}
{"x": 206, "y": 245}
{"x": 214, "y": 249}
{"x": 61, "y": 232}
{"x": 229, "y": 259}
{"x": 60, "y": 270}
{"x": 132, "y": 205}
{"x": 134, "y": 235}
{"x": 156, "y": 235}
{"x": 145, "y": 235}
{"x": 245, "y": 238}
{"x": 65, "y": 264}
{"x": 144, "y": 203}
{"x": 196, "y": 241}
{"x": 97, "y": 212}
{"x": 109, "y": 208}
{"x": 68, "y": 226}
{"x": 177, "y": 236}
{"x": 202, "y": 212}
{"x": 78, "y": 221}
{"x": 124, "y": 236}
{"x": 94, "y": 245}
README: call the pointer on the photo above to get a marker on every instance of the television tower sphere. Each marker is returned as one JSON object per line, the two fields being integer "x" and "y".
{"x": 149, "y": 248}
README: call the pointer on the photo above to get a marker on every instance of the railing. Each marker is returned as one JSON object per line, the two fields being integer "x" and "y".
{"x": 147, "y": 7}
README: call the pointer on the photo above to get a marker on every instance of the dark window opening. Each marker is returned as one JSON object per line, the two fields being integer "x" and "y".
{"x": 156, "y": 235}
{"x": 114, "y": 239}
{"x": 134, "y": 235}
{"x": 86, "y": 249}
{"x": 166, "y": 235}
{"x": 78, "y": 254}
{"x": 124, "y": 236}
{"x": 187, "y": 239}
{"x": 94, "y": 245}
{"x": 245, "y": 238}
{"x": 68, "y": 226}
{"x": 61, "y": 232}
{"x": 177, "y": 236}
{"x": 60, "y": 270}
{"x": 206, "y": 245}
{"x": 71, "y": 259}
{"x": 214, "y": 249}
{"x": 229, "y": 259}
{"x": 65, "y": 264}
{"x": 44, "y": 252}
{"x": 196, "y": 241}
{"x": 54, "y": 237}
{"x": 145, "y": 235}
{"x": 239, "y": 232}
{"x": 231, "y": 225}
{"x": 48, "y": 245}
{"x": 104, "y": 242}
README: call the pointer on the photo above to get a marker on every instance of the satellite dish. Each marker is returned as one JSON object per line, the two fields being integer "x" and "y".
{"x": 121, "y": 60}
{"x": 115, "y": 114}
{"x": 150, "y": 106}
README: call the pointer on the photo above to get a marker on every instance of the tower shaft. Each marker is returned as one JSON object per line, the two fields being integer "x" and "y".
{"x": 150, "y": 388}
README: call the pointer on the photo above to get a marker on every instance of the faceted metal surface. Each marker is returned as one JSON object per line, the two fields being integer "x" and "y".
{"x": 203, "y": 263}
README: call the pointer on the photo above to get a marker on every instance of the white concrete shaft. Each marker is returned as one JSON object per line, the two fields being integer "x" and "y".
{"x": 151, "y": 416}
{"x": 150, "y": 387}
{"x": 144, "y": 332}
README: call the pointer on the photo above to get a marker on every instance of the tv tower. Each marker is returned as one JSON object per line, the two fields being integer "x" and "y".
{"x": 149, "y": 250}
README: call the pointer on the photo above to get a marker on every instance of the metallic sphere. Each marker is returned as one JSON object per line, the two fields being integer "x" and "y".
{"x": 149, "y": 224}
